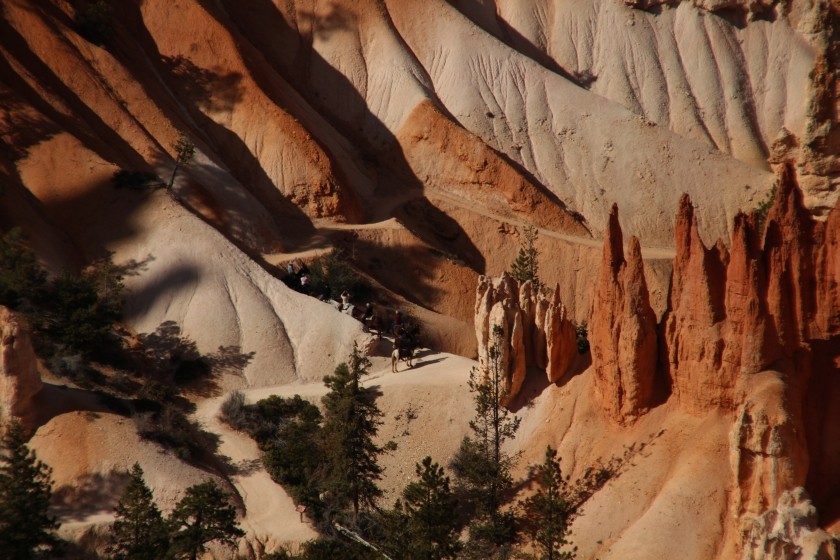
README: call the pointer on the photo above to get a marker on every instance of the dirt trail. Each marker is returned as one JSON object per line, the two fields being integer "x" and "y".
{"x": 319, "y": 243}
{"x": 270, "y": 511}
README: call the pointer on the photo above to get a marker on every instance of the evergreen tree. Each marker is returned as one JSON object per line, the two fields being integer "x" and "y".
{"x": 202, "y": 516}
{"x": 184, "y": 154}
{"x": 526, "y": 265}
{"x": 428, "y": 528}
{"x": 547, "y": 512}
{"x": 351, "y": 422}
{"x": 22, "y": 279}
{"x": 139, "y": 531}
{"x": 481, "y": 466}
{"x": 26, "y": 528}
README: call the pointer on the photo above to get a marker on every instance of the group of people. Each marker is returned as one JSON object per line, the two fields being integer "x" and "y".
{"x": 299, "y": 279}
{"x": 406, "y": 334}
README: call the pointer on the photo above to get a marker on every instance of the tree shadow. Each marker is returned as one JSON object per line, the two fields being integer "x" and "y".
{"x": 89, "y": 495}
{"x": 83, "y": 121}
{"x": 211, "y": 89}
{"x": 594, "y": 477}
{"x": 145, "y": 294}
{"x": 175, "y": 358}
{"x": 19, "y": 129}
{"x": 419, "y": 364}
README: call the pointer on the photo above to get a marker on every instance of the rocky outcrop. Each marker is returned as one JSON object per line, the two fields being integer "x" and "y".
{"x": 499, "y": 327}
{"x": 692, "y": 342}
{"x": 560, "y": 337}
{"x": 623, "y": 330}
{"x": 518, "y": 327}
{"x": 763, "y": 303}
{"x": 789, "y": 530}
{"x": 768, "y": 451}
{"x": 20, "y": 381}
{"x": 738, "y": 312}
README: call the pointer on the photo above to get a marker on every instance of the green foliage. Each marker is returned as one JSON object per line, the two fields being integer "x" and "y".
{"x": 424, "y": 524}
{"x": 351, "y": 422}
{"x": 234, "y": 412}
{"x": 74, "y": 311}
{"x": 582, "y": 334}
{"x": 481, "y": 467}
{"x": 184, "y": 154}
{"x": 333, "y": 270}
{"x": 547, "y": 512}
{"x": 526, "y": 266}
{"x": 139, "y": 531}
{"x": 26, "y": 528}
{"x": 94, "y": 21}
{"x": 22, "y": 279}
{"x": 83, "y": 308}
{"x": 203, "y": 515}
{"x": 293, "y": 456}
{"x": 171, "y": 428}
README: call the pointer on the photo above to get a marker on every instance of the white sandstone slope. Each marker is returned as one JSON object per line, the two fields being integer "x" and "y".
{"x": 681, "y": 66}
{"x": 221, "y": 298}
{"x": 587, "y": 150}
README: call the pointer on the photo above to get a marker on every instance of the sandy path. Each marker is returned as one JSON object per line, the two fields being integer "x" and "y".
{"x": 270, "y": 511}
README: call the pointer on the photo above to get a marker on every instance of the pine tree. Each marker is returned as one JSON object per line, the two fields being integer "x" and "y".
{"x": 526, "y": 265}
{"x": 26, "y": 528}
{"x": 547, "y": 512}
{"x": 429, "y": 509}
{"x": 351, "y": 422}
{"x": 139, "y": 531}
{"x": 184, "y": 154}
{"x": 22, "y": 279}
{"x": 482, "y": 468}
{"x": 203, "y": 515}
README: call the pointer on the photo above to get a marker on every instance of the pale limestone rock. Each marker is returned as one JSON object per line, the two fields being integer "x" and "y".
{"x": 789, "y": 530}
{"x": 19, "y": 378}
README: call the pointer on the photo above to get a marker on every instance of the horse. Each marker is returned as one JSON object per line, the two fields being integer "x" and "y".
{"x": 404, "y": 354}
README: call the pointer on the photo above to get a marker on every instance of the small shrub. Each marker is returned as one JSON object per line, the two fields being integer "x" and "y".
{"x": 233, "y": 411}
{"x": 582, "y": 333}
{"x": 334, "y": 270}
{"x": 172, "y": 429}
{"x": 22, "y": 279}
{"x": 94, "y": 21}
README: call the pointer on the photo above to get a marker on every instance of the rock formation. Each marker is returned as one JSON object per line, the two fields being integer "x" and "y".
{"x": 526, "y": 329}
{"x": 751, "y": 332}
{"x": 789, "y": 530}
{"x": 623, "y": 329}
{"x": 20, "y": 381}
{"x": 559, "y": 335}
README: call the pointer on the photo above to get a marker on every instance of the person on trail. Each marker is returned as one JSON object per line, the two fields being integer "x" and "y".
{"x": 397, "y": 322}
{"x": 290, "y": 268}
{"x": 326, "y": 293}
{"x": 304, "y": 283}
{"x": 367, "y": 317}
{"x": 368, "y": 314}
{"x": 345, "y": 300}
